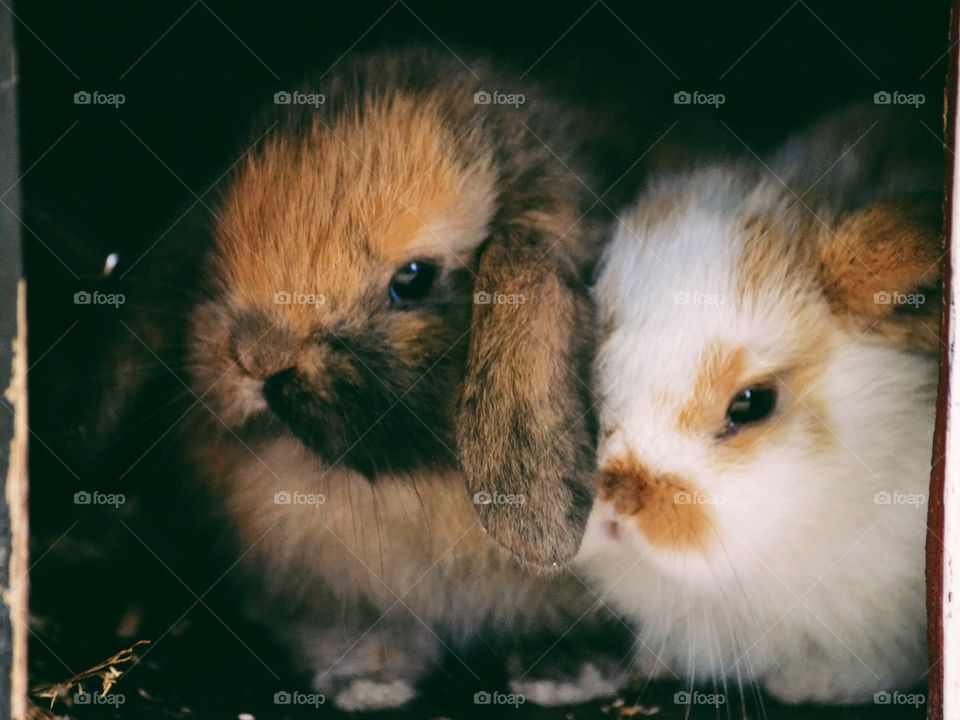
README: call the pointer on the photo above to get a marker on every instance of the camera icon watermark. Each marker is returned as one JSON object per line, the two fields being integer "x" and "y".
{"x": 114, "y": 700}
{"x": 296, "y": 97}
{"x": 497, "y": 298}
{"x": 95, "y": 97}
{"x": 498, "y": 698}
{"x": 95, "y": 497}
{"x": 284, "y": 497}
{"x": 298, "y": 298}
{"x": 695, "y": 297}
{"x": 85, "y": 297}
{"x": 695, "y": 97}
{"x": 898, "y": 298}
{"x": 295, "y": 697}
{"x": 695, "y": 497}
{"x": 693, "y": 697}
{"x": 885, "y": 497}
{"x": 895, "y": 97}
{"x": 885, "y": 697}
{"x": 498, "y": 498}
{"x": 495, "y": 97}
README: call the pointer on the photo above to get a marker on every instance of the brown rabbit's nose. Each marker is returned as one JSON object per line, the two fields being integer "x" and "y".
{"x": 262, "y": 349}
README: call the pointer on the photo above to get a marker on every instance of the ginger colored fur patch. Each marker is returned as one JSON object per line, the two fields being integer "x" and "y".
{"x": 349, "y": 201}
{"x": 887, "y": 251}
{"x": 660, "y": 506}
{"x": 880, "y": 249}
{"x": 723, "y": 369}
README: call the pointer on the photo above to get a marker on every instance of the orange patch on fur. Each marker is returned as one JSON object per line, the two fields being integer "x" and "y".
{"x": 722, "y": 370}
{"x": 664, "y": 508}
{"x": 882, "y": 253}
{"x": 335, "y": 210}
{"x": 883, "y": 248}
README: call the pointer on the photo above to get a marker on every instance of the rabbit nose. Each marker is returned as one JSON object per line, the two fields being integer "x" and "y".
{"x": 275, "y": 384}
{"x": 263, "y": 349}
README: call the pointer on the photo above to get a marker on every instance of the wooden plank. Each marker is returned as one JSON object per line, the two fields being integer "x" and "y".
{"x": 13, "y": 427}
{"x": 943, "y": 538}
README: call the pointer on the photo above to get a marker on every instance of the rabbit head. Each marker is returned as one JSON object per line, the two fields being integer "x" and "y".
{"x": 761, "y": 371}
{"x": 342, "y": 299}
{"x": 397, "y": 280}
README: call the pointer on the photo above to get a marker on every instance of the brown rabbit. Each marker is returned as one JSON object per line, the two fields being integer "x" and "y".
{"x": 392, "y": 339}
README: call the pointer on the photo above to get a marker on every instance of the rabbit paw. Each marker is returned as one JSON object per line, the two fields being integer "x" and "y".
{"x": 366, "y": 694}
{"x": 380, "y": 671}
{"x": 815, "y": 681}
{"x": 589, "y": 683}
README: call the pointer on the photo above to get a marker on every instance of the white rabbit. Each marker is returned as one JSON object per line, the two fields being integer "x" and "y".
{"x": 767, "y": 378}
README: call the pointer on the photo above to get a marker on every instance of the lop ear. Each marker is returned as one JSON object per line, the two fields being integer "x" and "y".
{"x": 881, "y": 269}
{"x": 526, "y": 432}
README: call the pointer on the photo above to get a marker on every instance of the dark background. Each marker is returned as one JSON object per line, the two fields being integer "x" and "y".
{"x": 100, "y": 179}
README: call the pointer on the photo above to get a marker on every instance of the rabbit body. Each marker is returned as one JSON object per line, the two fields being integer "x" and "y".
{"x": 391, "y": 344}
{"x": 767, "y": 375}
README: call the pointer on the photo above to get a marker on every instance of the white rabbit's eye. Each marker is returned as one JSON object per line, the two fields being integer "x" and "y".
{"x": 412, "y": 282}
{"x": 750, "y": 405}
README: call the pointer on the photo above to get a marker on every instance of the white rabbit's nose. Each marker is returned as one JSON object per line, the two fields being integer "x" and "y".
{"x": 603, "y": 528}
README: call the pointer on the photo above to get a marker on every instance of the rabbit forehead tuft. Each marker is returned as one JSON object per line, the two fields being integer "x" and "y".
{"x": 697, "y": 301}
{"x": 334, "y": 206}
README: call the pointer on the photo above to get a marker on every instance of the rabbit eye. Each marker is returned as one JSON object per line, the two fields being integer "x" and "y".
{"x": 412, "y": 282}
{"x": 749, "y": 406}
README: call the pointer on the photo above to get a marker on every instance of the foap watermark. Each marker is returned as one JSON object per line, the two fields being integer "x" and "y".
{"x": 497, "y": 498}
{"x": 695, "y": 97}
{"x": 95, "y": 97}
{"x": 91, "y": 698}
{"x": 899, "y": 498}
{"x": 695, "y": 497}
{"x": 295, "y": 697}
{"x": 899, "y": 698}
{"x": 686, "y": 697}
{"x": 298, "y": 298}
{"x": 284, "y": 497}
{"x": 498, "y": 298}
{"x": 498, "y": 698}
{"x": 895, "y": 97}
{"x": 898, "y": 298}
{"x": 84, "y": 297}
{"x": 495, "y": 97}
{"x": 296, "y": 97}
{"x": 95, "y": 497}
{"x": 695, "y": 297}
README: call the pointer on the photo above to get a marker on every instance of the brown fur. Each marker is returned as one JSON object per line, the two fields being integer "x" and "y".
{"x": 400, "y": 413}
{"x": 887, "y": 248}
{"x": 777, "y": 252}
{"x": 335, "y": 201}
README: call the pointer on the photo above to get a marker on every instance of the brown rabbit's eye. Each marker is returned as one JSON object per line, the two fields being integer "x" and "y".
{"x": 749, "y": 406}
{"x": 412, "y": 282}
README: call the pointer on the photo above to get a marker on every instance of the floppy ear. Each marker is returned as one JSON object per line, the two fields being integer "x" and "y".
{"x": 525, "y": 425}
{"x": 881, "y": 269}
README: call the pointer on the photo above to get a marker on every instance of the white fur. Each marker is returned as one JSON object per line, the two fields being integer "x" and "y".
{"x": 590, "y": 683}
{"x": 805, "y": 585}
